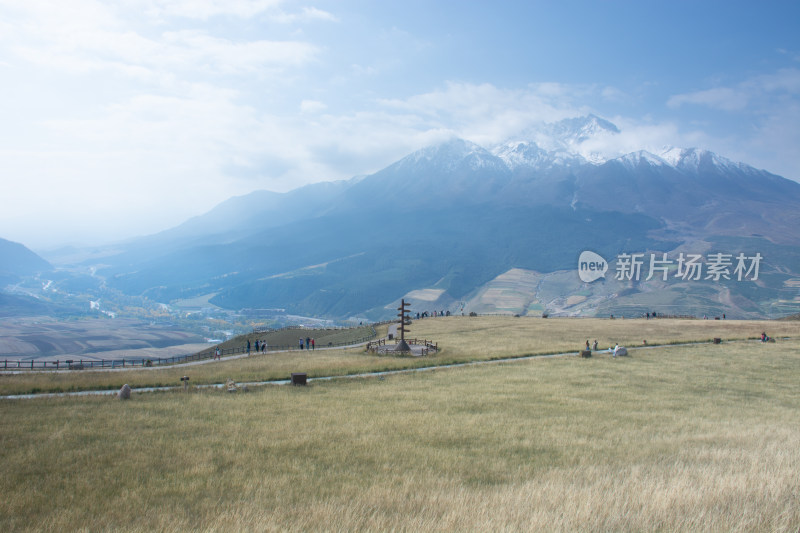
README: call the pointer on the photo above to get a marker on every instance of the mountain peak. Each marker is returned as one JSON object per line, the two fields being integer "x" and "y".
{"x": 579, "y": 129}
{"x": 567, "y": 139}
{"x": 451, "y": 155}
{"x": 453, "y": 147}
{"x": 16, "y": 259}
{"x": 518, "y": 154}
{"x": 695, "y": 158}
{"x": 635, "y": 159}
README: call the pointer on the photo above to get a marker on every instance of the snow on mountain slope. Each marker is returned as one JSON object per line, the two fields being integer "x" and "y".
{"x": 567, "y": 142}
{"x": 693, "y": 158}
{"x": 642, "y": 157}
{"x": 450, "y": 155}
{"x": 517, "y": 154}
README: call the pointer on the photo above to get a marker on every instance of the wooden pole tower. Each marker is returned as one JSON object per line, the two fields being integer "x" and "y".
{"x": 403, "y": 346}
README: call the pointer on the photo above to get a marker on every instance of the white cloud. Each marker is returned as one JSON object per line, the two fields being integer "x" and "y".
{"x": 755, "y": 93}
{"x": 179, "y": 154}
{"x": 193, "y": 52}
{"x": 196, "y": 50}
{"x": 771, "y": 104}
{"x": 204, "y": 9}
{"x": 312, "y": 106}
{"x": 306, "y": 14}
{"x": 127, "y": 117}
{"x": 724, "y": 98}
{"x": 314, "y": 13}
{"x": 487, "y": 114}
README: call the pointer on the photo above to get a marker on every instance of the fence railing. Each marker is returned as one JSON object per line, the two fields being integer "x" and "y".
{"x": 265, "y": 329}
{"x": 374, "y": 346}
{"x": 144, "y": 362}
{"x": 125, "y": 362}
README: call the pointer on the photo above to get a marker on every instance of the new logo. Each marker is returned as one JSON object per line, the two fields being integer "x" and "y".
{"x": 591, "y": 267}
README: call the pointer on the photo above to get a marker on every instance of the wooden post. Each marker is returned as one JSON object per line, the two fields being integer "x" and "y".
{"x": 403, "y": 315}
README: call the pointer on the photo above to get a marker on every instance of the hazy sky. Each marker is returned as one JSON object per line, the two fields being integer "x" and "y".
{"x": 123, "y": 118}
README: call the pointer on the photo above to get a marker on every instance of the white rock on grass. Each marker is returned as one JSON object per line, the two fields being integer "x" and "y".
{"x": 125, "y": 392}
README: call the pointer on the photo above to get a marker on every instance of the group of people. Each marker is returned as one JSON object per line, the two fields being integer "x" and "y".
{"x": 426, "y": 314}
{"x": 310, "y": 344}
{"x": 261, "y": 346}
{"x": 615, "y": 351}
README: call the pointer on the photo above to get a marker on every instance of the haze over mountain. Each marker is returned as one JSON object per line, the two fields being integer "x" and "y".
{"x": 17, "y": 260}
{"x": 443, "y": 223}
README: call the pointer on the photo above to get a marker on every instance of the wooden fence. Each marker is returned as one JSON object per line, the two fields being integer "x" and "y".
{"x": 144, "y": 362}
{"x": 427, "y": 345}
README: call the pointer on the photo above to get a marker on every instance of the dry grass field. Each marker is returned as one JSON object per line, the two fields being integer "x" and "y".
{"x": 44, "y": 337}
{"x": 677, "y": 438}
{"x": 462, "y": 339}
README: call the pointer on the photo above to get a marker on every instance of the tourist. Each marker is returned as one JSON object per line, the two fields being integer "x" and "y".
{"x": 313, "y": 344}
{"x": 301, "y": 343}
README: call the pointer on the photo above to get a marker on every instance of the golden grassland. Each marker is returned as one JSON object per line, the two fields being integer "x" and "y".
{"x": 462, "y": 339}
{"x": 677, "y": 438}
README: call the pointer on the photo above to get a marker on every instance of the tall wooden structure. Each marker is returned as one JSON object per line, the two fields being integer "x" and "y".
{"x": 402, "y": 346}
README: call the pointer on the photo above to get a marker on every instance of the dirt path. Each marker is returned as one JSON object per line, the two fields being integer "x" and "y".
{"x": 379, "y": 374}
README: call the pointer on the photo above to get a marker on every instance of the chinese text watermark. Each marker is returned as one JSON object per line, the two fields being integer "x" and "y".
{"x": 689, "y": 267}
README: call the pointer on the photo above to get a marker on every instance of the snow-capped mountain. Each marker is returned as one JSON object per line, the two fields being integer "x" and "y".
{"x": 528, "y": 154}
{"x": 456, "y": 215}
{"x": 573, "y": 132}
{"x": 642, "y": 157}
{"x": 569, "y": 141}
{"x": 694, "y": 160}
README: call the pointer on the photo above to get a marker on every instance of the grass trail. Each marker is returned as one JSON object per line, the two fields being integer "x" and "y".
{"x": 462, "y": 339}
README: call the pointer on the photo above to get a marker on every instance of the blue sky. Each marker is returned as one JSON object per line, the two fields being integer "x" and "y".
{"x": 124, "y": 118}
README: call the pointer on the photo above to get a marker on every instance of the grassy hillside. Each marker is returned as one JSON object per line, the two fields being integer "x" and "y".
{"x": 461, "y": 339}
{"x": 681, "y": 438}
{"x": 341, "y": 265}
{"x": 288, "y": 338}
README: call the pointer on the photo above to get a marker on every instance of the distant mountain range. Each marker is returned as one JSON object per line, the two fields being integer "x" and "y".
{"x": 18, "y": 261}
{"x": 496, "y": 229}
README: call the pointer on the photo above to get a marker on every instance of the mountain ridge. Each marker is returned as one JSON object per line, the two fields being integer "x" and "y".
{"x": 455, "y": 216}
{"x": 18, "y": 260}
